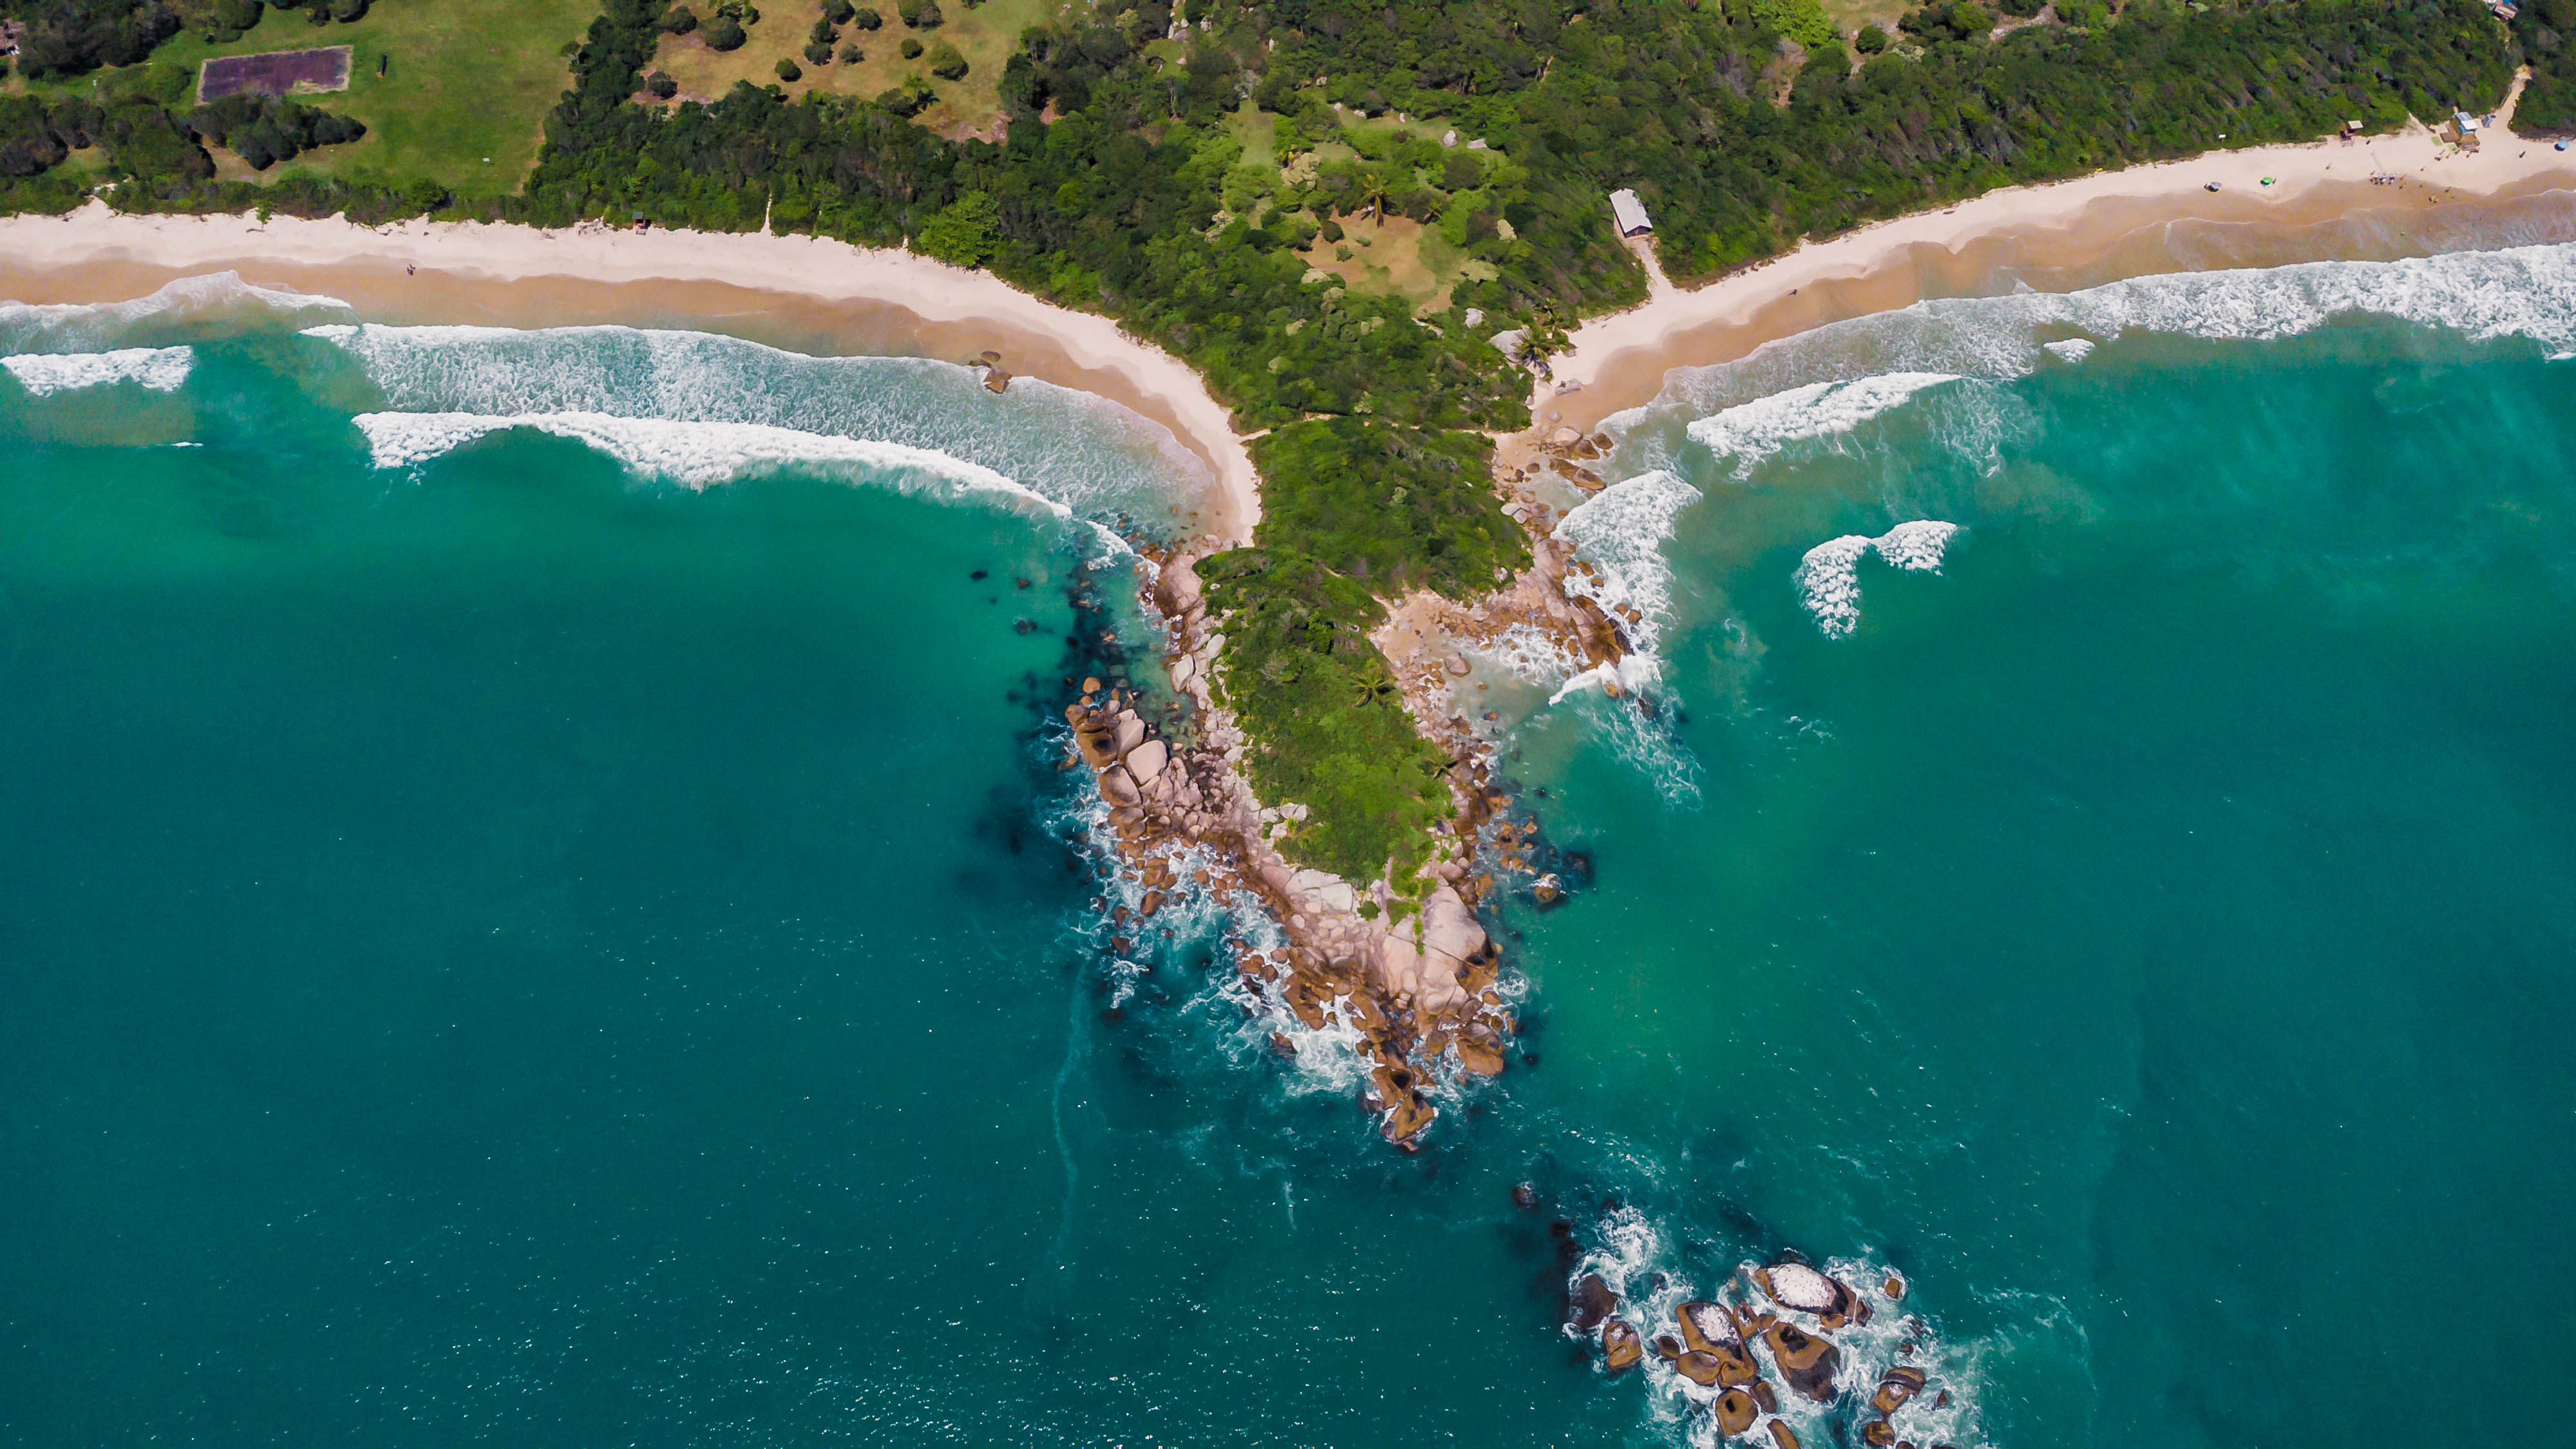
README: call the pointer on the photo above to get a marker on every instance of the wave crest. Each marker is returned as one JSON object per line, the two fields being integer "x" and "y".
{"x": 1828, "y": 578}
{"x": 162, "y": 369}
{"x": 1081, "y": 450}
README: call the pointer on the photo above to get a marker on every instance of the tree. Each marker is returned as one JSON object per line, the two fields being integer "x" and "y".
{"x": 946, "y": 63}
{"x": 962, "y": 232}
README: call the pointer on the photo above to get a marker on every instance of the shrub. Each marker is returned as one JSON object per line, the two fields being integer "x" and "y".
{"x": 725, "y": 33}
{"x": 661, "y": 84}
{"x": 851, "y": 54}
{"x": 911, "y": 48}
{"x": 866, "y": 19}
{"x": 1870, "y": 41}
{"x": 920, "y": 14}
{"x": 838, "y": 12}
{"x": 788, "y": 71}
{"x": 818, "y": 53}
{"x": 946, "y": 63}
{"x": 680, "y": 21}
{"x": 907, "y": 100}
{"x": 822, "y": 32}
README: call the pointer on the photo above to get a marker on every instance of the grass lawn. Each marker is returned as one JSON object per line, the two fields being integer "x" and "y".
{"x": 464, "y": 80}
{"x": 1397, "y": 257}
{"x": 986, "y": 35}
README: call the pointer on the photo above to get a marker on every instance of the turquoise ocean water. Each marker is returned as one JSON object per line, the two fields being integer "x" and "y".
{"x": 542, "y": 908}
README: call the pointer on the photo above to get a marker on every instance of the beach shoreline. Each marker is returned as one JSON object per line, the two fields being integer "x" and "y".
{"x": 2085, "y": 231}
{"x": 803, "y": 293}
{"x": 829, "y": 297}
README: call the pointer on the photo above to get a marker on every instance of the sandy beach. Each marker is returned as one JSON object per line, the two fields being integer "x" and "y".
{"x": 2274, "y": 205}
{"x": 810, "y": 294}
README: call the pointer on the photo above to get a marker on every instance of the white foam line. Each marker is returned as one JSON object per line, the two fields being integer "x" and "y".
{"x": 1621, "y": 532}
{"x": 42, "y": 374}
{"x": 1751, "y": 432}
{"x": 694, "y": 453}
{"x": 1828, "y": 578}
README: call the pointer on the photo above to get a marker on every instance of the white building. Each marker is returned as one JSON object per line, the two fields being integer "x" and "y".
{"x": 1631, "y": 213}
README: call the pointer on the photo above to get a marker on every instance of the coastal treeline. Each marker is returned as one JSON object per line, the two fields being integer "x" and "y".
{"x": 1194, "y": 180}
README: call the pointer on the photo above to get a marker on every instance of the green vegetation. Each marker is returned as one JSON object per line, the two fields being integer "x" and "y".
{"x": 1124, "y": 175}
{"x": 2547, "y": 30}
{"x": 1329, "y": 728}
{"x": 1394, "y": 508}
{"x": 460, "y": 80}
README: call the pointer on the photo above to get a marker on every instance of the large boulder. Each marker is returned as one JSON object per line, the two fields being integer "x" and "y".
{"x": 1809, "y": 1363}
{"x": 1735, "y": 1412}
{"x": 1117, "y": 787}
{"x": 1620, "y": 1350}
{"x": 1146, "y": 761}
{"x": 1899, "y": 1385}
{"x": 1177, "y": 590}
{"x": 1704, "y": 1325}
{"x": 1593, "y": 1301}
{"x": 1128, "y": 732}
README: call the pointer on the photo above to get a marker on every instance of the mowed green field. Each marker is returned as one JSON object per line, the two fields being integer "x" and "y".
{"x": 465, "y": 80}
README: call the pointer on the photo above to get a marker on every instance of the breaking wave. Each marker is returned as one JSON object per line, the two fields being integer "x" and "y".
{"x": 1079, "y": 450}
{"x": 1828, "y": 578}
{"x": 1620, "y": 534}
{"x": 2481, "y": 296}
{"x": 698, "y": 454}
{"x": 162, "y": 369}
{"x": 215, "y": 298}
{"x": 1751, "y": 432}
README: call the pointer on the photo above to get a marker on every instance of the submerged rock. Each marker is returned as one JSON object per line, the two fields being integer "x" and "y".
{"x": 1593, "y": 1302}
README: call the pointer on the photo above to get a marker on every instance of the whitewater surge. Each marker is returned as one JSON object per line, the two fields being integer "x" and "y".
{"x": 213, "y": 299}
{"x": 1620, "y": 532}
{"x": 2481, "y": 296}
{"x": 1751, "y": 432}
{"x": 698, "y": 455}
{"x": 1828, "y": 578}
{"x": 1078, "y": 449}
{"x": 42, "y": 374}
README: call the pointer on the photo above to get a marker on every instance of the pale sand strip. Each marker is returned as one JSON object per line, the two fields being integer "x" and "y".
{"x": 945, "y": 297}
{"x": 526, "y": 276}
{"x": 1621, "y": 359}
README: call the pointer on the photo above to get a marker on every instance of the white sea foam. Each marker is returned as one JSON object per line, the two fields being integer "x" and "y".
{"x": 700, "y": 454}
{"x": 1094, "y": 456}
{"x": 2071, "y": 349}
{"x": 162, "y": 369}
{"x": 2524, "y": 291}
{"x": 1750, "y": 432}
{"x": 61, "y": 326}
{"x": 1828, "y": 578}
{"x": 1621, "y": 532}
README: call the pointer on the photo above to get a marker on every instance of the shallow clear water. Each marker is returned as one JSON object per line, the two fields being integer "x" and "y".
{"x": 511, "y": 947}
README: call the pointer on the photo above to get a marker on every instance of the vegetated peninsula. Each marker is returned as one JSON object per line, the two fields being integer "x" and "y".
{"x": 1364, "y": 226}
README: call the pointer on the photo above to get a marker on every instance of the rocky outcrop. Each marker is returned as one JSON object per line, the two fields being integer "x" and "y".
{"x": 1619, "y": 1350}
{"x": 1808, "y": 1362}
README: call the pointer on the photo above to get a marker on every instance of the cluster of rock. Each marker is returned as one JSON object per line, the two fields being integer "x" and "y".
{"x": 996, "y": 376}
{"x": 1410, "y": 971}
{"x": 1789, "y": 1319}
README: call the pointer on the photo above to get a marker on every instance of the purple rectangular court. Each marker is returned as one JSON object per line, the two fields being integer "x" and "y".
{"x": 275, "y": 73}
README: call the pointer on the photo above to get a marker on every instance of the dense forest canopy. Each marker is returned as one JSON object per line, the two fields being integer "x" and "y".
{"x": 1192, "y": 171}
